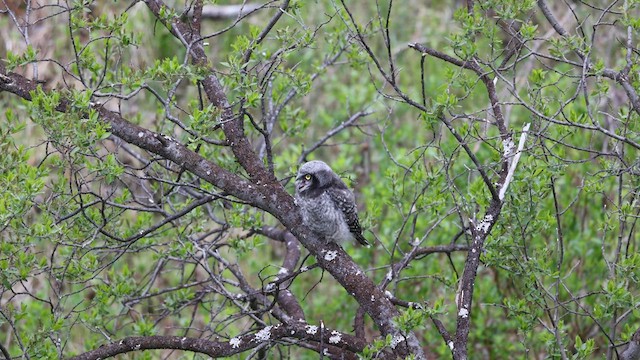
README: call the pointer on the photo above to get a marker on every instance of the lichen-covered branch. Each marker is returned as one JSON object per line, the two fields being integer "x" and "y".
{"x": 341, "y": 344}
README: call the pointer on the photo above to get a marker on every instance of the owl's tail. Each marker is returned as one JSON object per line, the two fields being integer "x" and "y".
{"x": 360, "y": 238}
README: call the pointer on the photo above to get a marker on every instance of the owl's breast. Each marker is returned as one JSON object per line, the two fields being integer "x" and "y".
{"x": 323, "y": 218}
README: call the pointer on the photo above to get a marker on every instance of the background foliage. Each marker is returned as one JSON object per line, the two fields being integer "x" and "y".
{"x": 103, "y": 240}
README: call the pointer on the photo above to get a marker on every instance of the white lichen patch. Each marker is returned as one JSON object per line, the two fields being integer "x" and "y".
{"x": 311, "y": 329}
{"x": 451, "y": 345}
{"x": 464, "y": 313}
{"x": 389, "y": 275}
{"x": 397, "y": 339}
{"x": 330, "y": 255}
{"x": 208, "y": 172}
{"x": 335, "y": 337}
{"x": 140, "y": 134}
{"x": 373, "y": 298}
{"x": 388, "y": 294}
{"x": 270, "y": 287}
{"x": 235, "y": 342}
{"x": 304, "y": 269}
{"x": 483, "y": 226}
{"x": 264, "y": 334}
{"x": 508, "y": 145}
{"x": 283, "y": 271}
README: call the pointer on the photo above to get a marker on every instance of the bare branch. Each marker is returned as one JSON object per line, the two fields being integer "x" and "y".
{"x": 331, "y": 133}
{"x": 5, "y": 353}
{"x": 285, "y": 297}
{"x": 218, "y": 349}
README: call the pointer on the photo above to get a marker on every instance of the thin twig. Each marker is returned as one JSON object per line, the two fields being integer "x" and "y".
{"x": 343, "y": 125}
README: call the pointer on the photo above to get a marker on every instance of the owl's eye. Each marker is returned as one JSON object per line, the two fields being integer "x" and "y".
{"x": 307, "y": 177}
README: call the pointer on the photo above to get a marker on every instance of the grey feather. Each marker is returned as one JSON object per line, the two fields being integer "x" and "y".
{"x": 328, "y": 206}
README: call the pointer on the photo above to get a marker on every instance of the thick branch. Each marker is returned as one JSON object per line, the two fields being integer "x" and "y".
{"x": 217, "y": 349}
{"x": 464, "y": 297}
{"x": 285, "y": 297}
{"x": 232, "y": 125}
{"x": 332, "y": 258}
{"x": 632, "y": 352}
{"x": 481, "y": 230}
{"x": 158, "y": 144}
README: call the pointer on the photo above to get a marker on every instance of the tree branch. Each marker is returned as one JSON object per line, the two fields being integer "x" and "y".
{"x": 285, "y": 297}
{"x": 331, "y": 133}
{"x": 632, "y": 352}
{"x": 232, "y": 125}
{"x": 236, "y": 345}
{"x": 5, "y": 353}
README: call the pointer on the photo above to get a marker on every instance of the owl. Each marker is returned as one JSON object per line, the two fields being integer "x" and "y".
{"x": 328, "y": 206}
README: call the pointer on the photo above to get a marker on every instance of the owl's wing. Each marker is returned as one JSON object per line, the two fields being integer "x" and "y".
{"x": 344, "y": 200}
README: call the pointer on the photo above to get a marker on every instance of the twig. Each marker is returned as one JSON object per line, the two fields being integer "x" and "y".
{"x": 332, "y": 133}
{"x": 5, "y": 353}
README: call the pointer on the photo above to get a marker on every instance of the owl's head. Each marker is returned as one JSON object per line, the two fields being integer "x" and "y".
{"x": 314, "y": 175}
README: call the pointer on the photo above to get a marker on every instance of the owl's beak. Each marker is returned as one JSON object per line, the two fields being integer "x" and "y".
{"x": 302, "y": 184}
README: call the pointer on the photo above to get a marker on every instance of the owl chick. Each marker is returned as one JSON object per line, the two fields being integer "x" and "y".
{"x": 328, "y": 206}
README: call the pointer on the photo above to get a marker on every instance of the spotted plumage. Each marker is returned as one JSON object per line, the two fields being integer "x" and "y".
{"x": 328, "y": 206}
